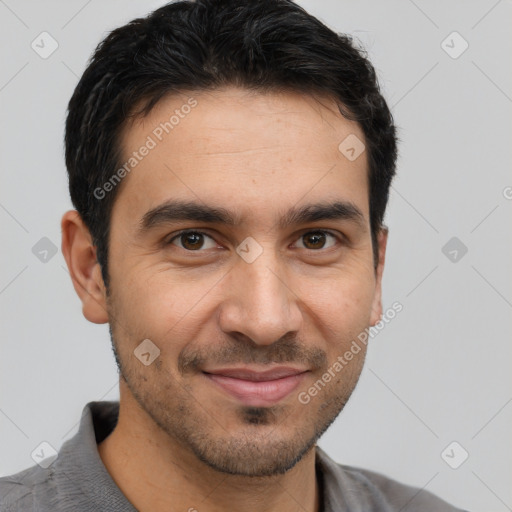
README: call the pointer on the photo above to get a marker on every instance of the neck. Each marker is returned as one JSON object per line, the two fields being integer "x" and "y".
{"x": 157, "y": 473}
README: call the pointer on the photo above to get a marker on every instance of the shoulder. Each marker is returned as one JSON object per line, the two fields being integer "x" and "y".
{"x": 353, "y": 488}
{"x": 396, "y": 495}
{"x": 22, "y": 491}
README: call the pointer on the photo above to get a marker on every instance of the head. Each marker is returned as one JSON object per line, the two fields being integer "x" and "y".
{"x": 230, "y": 120}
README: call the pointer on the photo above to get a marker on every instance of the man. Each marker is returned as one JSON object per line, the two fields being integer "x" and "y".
{"x": 230, "y": 163}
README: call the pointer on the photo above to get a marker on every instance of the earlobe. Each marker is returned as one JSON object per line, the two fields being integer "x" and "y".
{"x": 85, "y": 271}
{"x": 382, "y": 239}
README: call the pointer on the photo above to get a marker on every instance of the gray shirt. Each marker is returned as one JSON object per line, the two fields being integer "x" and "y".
{"x": 77, "y": 481}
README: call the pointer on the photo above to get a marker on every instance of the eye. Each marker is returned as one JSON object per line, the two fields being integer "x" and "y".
{"x": 193, "y": 241}
{"x": 317, "y": 240}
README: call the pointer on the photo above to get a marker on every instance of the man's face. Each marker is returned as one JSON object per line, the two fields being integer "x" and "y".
{"x": 268, "y": 290}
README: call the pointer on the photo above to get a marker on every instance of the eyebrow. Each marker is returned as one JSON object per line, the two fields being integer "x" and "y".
{"x": 177, "y": 210}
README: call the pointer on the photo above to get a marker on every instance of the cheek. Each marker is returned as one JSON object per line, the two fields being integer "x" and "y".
{"x": 164, "y": 308}
{"x": 157, "y": 297}
{"x": 340, "y": 310}
{"x": 342, "y": 298}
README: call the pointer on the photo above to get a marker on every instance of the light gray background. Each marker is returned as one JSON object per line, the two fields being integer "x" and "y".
{"x": 439, "y": 372}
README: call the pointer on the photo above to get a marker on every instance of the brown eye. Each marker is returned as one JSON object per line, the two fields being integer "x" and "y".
{"x": 317, "y": 240}
{"x": 193, "y": 241}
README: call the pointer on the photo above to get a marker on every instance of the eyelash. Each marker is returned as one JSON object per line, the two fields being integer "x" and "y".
{"x": 338, "y": 238}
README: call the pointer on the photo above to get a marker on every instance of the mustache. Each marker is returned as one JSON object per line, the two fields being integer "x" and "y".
{"x": 287, "y": 349}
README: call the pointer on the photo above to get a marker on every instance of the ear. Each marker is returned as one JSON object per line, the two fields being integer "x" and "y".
{"x": 382, "y": 240}
{"x": 85, "y": 271}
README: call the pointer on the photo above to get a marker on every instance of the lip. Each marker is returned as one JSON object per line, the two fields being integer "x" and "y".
{"x": 257, "y": 388}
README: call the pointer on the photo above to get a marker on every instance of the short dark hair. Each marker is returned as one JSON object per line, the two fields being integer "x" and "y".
{"x": 264, "y": 45}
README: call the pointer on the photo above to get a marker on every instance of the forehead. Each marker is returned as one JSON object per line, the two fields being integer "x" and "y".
{"x": 252, "y": 151}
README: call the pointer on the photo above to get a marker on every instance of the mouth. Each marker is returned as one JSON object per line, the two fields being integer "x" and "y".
{"x": 257, "y": 388}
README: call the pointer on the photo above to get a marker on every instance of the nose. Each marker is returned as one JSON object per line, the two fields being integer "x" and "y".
{"x": 261, "y": 303}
